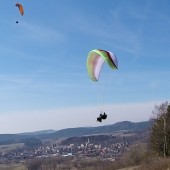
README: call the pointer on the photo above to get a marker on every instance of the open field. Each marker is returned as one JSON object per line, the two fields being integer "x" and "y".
{"x": 130, "y": 168}
{"x": 10, "y": 147}
{"x": 13, "y": 167}
{"x": 72, "y": 164}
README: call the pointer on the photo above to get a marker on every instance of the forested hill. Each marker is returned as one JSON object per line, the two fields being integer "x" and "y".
{"x": 79, "y": 131}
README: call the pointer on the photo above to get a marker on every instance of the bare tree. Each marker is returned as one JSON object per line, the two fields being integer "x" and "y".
{"x": 160, "y": 134}
{"x": 34, "y": 164}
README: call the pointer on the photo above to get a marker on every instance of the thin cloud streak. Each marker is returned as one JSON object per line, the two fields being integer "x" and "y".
{"x": 40, "y": 33}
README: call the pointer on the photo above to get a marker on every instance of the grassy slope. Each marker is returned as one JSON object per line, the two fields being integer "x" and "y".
{"x": 13, "y": 167}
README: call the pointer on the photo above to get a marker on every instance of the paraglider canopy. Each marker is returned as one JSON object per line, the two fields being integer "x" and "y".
{"x": 95, "y": 60}
{"x": 20, "y": 7}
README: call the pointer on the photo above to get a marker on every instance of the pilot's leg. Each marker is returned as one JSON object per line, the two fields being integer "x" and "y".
{"x": 99, "y": 119}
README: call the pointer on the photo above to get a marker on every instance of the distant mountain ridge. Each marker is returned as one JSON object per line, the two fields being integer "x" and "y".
{"x": 75, "y": 132}
{"x": 119, "y": 126}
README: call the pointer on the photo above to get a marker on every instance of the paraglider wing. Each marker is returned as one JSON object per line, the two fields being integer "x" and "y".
{"x": 20, "y": 7}
{"x": 96, "y": 59}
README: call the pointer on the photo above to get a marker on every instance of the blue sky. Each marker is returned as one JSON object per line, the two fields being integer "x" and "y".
{"x": 43, "y": 77}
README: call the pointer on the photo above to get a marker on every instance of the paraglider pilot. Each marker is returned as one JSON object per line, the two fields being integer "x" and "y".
{"x": 102, "y": 116}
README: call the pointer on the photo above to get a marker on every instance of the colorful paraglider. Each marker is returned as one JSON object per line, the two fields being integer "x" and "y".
{"x": 20, "y": 7}
{"x": 95, "y": 60}
{"x": 21, "y": 10}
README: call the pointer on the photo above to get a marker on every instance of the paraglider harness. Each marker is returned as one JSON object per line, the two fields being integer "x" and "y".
{"x": 102, "y": 116}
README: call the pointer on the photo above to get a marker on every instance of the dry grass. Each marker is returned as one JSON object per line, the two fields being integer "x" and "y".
{"x": 157, "y": 164}
{"x": 5, "y": 148}
{"x": 130, "y": 168}
{"x": 154, "y": 164}
{"x": 13, "y": 167}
